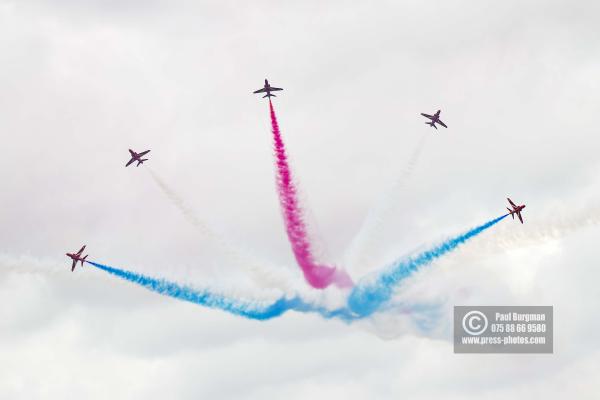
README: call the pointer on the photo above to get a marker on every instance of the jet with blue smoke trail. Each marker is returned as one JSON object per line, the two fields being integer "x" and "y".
{"x": 365, "y": 299}
{"x": 368, "y": 297}
{"x": 257, "y": 310}
{"x": 515, "y": 210}
{"x": 76, "y": 257}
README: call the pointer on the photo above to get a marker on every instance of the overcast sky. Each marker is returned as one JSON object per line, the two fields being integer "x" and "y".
{"x": 83, "y": 81}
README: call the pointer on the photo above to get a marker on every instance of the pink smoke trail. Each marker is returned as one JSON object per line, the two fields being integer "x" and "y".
{"x": 318, "y": 276}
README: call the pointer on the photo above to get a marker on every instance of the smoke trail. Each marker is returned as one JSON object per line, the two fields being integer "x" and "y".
{"x": 249, "y": 309}
{"x": 181, "y": 206}
{"x": 546, "y": 229}
{"x": 268, "y": 275}
{"x": 369, "y": 234}
{"x": 367, "y": 298}
{"x": 318, "y": 276}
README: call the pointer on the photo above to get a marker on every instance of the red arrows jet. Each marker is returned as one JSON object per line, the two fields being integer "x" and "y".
{"x": 435, "y": 119}
{"x": 137, "y": 157}
{"x": 267, "y": 89}
{"x": 77, "y": 257}
{"x": 515, "y": 210}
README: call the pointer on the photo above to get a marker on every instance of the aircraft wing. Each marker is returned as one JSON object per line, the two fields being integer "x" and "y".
{"x": 143, "y": 153}
{"x": 275, "y": 88}
{"x": 439, "y": 121}
{"x": 81, "y": 250}
{"x": 511, "y": 202}
{"x": 427, "y": 115}
{"x": 132, "y": 153}
{"x": 520, "y": 218}
{"x": 261, "y": 90}
{"x": 130, "y": 161}
{"x": 73, "y": 266}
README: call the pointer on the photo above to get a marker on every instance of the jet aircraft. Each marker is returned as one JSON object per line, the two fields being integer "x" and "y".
{"x": 137, "y": 157}
{"x": 267, "y": 89}
{"x": 515, "y": 210}
{"x": 435, "y": 119}
{"x": 77, "y": 257}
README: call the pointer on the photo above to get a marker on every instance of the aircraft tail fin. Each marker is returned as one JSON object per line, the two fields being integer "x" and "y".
{"x": 512, "y": 214}
{"x": 269, "y": 95}
{"x": 83, "y": 259}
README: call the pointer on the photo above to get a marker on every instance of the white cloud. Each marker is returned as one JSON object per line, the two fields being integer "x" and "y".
{"x": 80, "y": 82}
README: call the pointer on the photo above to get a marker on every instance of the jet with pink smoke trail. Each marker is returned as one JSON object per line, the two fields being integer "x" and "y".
{"x": 318, "y": 276}
{"x": 267, "y": 89}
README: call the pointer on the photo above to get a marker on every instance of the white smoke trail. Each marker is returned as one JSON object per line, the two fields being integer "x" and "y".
{"x": 428, "y": 314}
{"x": 181, "y": 206}
{"x": 364, "y": 243}
{"x": 49, "y": 281}
{"x": 28, "y": 264}
{"x": 265, "y": 275}
{"x": 548, "y": 228}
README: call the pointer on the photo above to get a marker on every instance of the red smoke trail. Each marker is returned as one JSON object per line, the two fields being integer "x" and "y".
{"x": 318, "y": 276}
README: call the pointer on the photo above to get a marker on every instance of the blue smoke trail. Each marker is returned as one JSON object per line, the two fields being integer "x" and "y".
{"x": 364, "y": 299}
{"x": 251, "y": 310}
{"x": 367, "y": 298}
